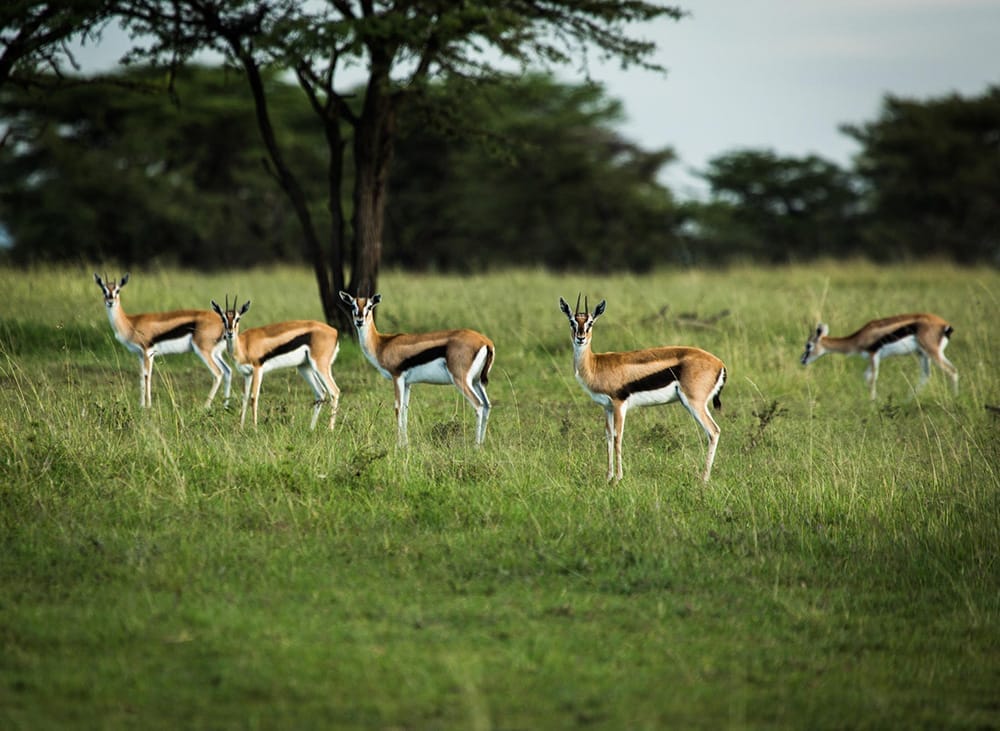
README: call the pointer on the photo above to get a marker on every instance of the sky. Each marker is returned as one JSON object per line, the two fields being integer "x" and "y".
{"x": 784, "y": 75}
{"x": 781, "y": 75}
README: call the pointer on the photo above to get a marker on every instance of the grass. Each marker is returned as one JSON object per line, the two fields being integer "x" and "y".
{"x": 167, "y": 570}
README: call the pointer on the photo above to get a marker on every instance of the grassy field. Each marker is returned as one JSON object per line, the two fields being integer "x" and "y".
{"x": 167, "y": 570}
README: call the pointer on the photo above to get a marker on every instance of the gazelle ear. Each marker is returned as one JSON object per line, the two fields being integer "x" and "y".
{"x": 97, "y": 278}
{"x": 346, "y": 297}
{"x": 245, "y": 308}
{"x": 822, "y": 329}
{"x": 375, "y": 299}
{"x": 564, "y": 306}
{"x": 124, "y": 280}
{"x": 599, "y": 310}
{"x": 215, "y": 306}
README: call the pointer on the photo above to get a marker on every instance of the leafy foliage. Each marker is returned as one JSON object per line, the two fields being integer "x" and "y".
{"x": 544, "y": 179}
{"x": 770, "y": 208}
{"x": 98, "y": 173}
{"x": 933, "y": 169}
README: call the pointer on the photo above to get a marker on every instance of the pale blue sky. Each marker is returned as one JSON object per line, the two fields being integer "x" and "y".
{"x": 783, "y": 74}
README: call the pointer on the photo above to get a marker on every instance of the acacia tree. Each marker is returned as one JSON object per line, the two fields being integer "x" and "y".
{"x": 398, "y": 45}
{"x": 34, "y": 35}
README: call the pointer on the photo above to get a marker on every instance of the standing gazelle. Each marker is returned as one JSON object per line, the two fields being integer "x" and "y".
{"x": 922, "y": 333}
{"x": 166, "y": 333}
{"x": 618, "y": 381}
{"x": 307, "y": 345}
{"x": 459, "y": 357}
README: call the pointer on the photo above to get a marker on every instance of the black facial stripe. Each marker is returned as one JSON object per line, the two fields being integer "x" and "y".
{"x": 176, "y": 333}
{"x": 424, "y": 356}
{"x": 287, "y": 347}
{"x": 897, "y": 334}
{"x": 652, "y": 382}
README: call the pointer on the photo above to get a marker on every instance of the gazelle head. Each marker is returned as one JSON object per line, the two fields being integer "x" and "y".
{"x": 814, "y": 345}
{"x": 361, "y": 307}
{"x": 112, "y": 290}
{"x": 581, "y": 321}
{"x": 230, "y": 318}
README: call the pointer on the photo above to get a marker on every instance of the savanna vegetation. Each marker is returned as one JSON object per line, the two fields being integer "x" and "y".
{"x": 164, "y": 569}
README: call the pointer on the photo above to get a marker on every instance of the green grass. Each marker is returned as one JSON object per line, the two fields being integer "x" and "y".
{"x": 168, "y": 570}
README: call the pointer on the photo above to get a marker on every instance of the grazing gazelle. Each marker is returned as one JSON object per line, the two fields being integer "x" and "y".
{"x": 618, "y": 381}
{"x": 166, "y": 333}
{"x": 459, "y": 357}
{"x": 921, "y": 333}
{"x": 307, "y": 345}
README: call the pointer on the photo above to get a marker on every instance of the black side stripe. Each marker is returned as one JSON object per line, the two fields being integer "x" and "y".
{"x": 652, "y": 382}
{"x": 287, "y": 347}
{"x": 424, "y": 356}
{"x": 176, "y": 333}
{"x": 892, "y": 337}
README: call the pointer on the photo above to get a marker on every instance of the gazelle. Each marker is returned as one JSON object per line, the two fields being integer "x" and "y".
{"x": 307, "y": 345}
{"x": 459, "y": 357}
{"x": 619, "y": 381}
{"x": 921, "y": 333}
{"x": 166, "y": 333}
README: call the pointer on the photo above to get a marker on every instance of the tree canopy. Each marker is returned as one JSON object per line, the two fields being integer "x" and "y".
{"x": 778, "y": 209}
{"x": 932, "y": 169}
{"x": 401, "y": 45}
{"x": 105, "y": 174}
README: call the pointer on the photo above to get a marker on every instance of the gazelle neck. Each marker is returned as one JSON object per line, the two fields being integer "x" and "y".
{"x": 843, "y": 345}
{"x": 121, "y": 323}
{"x": 368, "y": 339}
{"x": 583, "y": 355}
{"x": 369, "y": 336}
{"x": 235, "y": 347}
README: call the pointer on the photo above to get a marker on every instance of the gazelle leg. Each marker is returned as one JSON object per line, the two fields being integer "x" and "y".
{"x": 227, "y": 378}
{"x": 333, "y": 390}
{"x": 609, "y": 438}
{"x": 619, "y": 433}
{"x": 704, "y": 418}
{"x": 483, "y": 412}
{"x": 475, "y": 394}
{"x": 311, "y": 377}
{"x": 146, "y": 399}
{"x": 871, "y": 374}
{"x": 402, "y": 405}
{"x": 142, "y": 380}
{"x": 218, "y": 369}
{"x": 948, "y": 367}
{"x": 247, "y": 383}
{"x": 925, "y": 369}
{"x": 258, "y": 379}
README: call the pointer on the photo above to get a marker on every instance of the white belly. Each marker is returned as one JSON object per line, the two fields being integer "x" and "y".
{"x": 653, "y": 398}
{"x": 291, "y": 359}
{"x": 435, "y": 371}
{"x": 172, "y": 347}
{"x": 903, "y": 346}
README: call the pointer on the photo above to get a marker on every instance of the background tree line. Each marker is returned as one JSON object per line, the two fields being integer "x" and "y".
{"x": 401, "y": 49}
{"x": 529, "y": 172}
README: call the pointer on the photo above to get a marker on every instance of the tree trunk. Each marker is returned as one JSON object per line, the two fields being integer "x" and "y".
{"x": 335, "y": 184}
{"x": 296, "y": 196}
{"x": 373, "y": 140}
